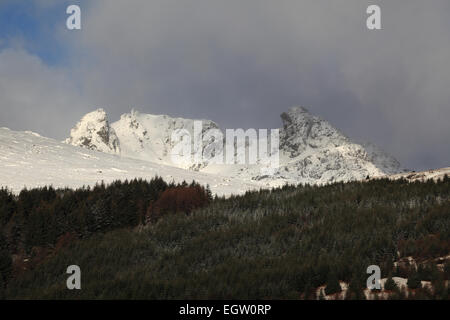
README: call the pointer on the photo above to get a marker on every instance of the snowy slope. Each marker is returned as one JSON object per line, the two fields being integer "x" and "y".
{"x": 311, "y": 149}
{"x": 412, "y": 176}
{"x": 148, "y": 137}
{"x": 29, "y": 160}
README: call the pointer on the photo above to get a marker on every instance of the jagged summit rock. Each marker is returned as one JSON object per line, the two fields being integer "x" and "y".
{"x": 301, "y": 130}
{"x": 94, "y": 132}
{"x": 317, "y": 152}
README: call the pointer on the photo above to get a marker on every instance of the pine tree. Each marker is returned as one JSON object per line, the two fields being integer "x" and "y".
{"x": 414, "y": 281}
{"x": 390, "y": 284}
{"x": 355, "y": 290}
{"x": 5, "y": 266}
{"x": 2, "y": 290}
{"x": 321, "y": 295}
{"x": 333, "y": 285}
{"x": 308, "y": 291}
{"x": 447, "y": 270}
{"x": 209, "y": 193}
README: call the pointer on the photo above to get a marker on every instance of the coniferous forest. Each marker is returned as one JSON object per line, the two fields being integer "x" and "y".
{"x": 157, "y": 240}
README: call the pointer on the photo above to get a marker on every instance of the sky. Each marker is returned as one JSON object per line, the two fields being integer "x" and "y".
{"x": 240, "y": 63}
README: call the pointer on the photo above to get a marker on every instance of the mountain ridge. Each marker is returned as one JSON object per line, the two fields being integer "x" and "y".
{"x": 312, "y": 150}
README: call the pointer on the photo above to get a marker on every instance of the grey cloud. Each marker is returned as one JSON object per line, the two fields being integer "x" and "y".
{"x": 34, "y": 96}
{"x": 242, "y": 63}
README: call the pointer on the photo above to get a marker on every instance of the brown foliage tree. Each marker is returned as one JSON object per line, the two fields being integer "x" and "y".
{"x": 177, "y": 199}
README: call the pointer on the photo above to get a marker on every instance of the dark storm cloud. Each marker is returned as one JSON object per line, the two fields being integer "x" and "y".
{"x": 242, "y": 63}
{"x": 35, "y": 97}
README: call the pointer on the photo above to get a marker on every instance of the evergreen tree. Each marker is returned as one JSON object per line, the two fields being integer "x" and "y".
{"x": 414, "y": 281}
{"x": 308, "y": 291}
{"x": 7, "y": 206}
{"x": 440, "y": 289}
{"x": 321, "y": 295}
{"x": 333, "y": 285}
{"x": 5, "y": 266}
{"x": 390, "y": 284}
{"x": 3, "y": 243}
{"x": 209, "y": 193}
{"x": 447, "y": 270}
{"x": 355, "y": 290}
{"x": 2, "y": 290}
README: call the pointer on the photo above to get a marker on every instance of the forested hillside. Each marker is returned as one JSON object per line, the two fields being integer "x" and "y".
{"x": 153, "y": 240}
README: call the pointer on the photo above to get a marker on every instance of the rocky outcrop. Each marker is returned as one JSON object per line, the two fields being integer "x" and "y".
{"x": 94, "y": 132}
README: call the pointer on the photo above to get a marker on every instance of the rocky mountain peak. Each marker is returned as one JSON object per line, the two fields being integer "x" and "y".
{"x": 94, "y": 132}
{"x": 301, "y": 130}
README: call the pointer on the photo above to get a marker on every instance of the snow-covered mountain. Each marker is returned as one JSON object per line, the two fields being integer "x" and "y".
{"x": 311, "y": 149}
{"x": 30, "y": 160}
